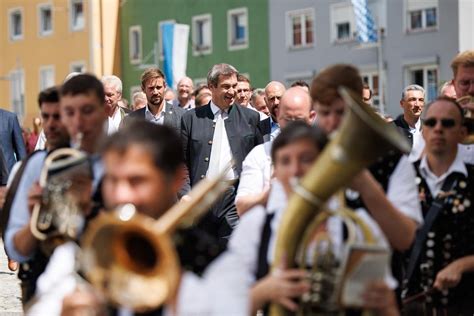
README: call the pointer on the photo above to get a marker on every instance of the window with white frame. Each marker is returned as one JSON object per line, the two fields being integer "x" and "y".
{"x": 45, "y": 19}
{"x": 46, "y": 77}
{"x": 78, "y": 66}
{"x": 342, "y": 22}
{"x": 17, "y": 92}
{"x": 76, "y": 17}
{"x": 160, "y": 37}
{"x": 237, "y": 28}
{"x": 202, "y": 34}
{"x": 15, "y": 22}
{"x": 343, "y": 31}
{"x": 372, "y": 80}
{"x": 300, "y": 28}
{"x": 135, "y": 44}
{"x": 422, "y": 15}
{"x": 425, "y": 76}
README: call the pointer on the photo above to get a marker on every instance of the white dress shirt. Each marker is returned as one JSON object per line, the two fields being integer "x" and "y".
{"x": 402, "y": 190}
{"x": 256, "y": 170}
{"x": 433, "y": 181}
{"x": 156, "y": 119}
{"x": 41, "y": 143}
{"x": 220, "y": 153}
{"x": 114, "y": 121}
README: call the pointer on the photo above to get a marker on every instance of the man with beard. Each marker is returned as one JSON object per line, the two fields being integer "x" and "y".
{"x": 157, "y": 110}
{"x": 185, "y": 94}
{"x": 215, "y": 135}
{"x": 412, "y": 103}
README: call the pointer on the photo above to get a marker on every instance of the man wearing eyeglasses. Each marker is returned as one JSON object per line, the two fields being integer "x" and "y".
{"x": 442, "y": 260}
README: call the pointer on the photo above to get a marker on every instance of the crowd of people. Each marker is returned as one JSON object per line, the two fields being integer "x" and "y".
{"x": 414, "y": 207}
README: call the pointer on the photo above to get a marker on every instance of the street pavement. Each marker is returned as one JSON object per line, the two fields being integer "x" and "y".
{"x": 10, "y": 293}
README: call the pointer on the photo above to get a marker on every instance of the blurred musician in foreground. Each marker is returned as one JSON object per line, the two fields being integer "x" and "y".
{"x": 293, "y": 153}
{"x": 143, "y": 165}
{"x": 76, "y": 108}
{"x": 393, "y": 174}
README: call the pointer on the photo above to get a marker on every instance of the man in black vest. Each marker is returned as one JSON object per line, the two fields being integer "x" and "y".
{"x": 440, "y": 269}
{"x": 412, "y": 103}
{"x": 215, "y": 135}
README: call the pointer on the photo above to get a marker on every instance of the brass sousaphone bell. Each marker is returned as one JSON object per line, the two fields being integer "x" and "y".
{"x": 361, "y": 139}
{"x": 131, "y": 258}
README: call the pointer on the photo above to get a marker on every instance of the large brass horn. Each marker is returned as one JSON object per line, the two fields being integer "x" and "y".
{"x": 468, "y": 119}
{"x": 361, "y": 139}
{"x": 131, "y": 258}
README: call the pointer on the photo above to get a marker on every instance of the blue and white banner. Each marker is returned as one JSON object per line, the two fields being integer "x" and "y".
{"x": 366, "y": 32}
{"x": 175, "y": 51}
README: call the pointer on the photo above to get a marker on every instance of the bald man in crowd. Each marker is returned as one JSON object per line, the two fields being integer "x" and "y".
{"x": 294, "y": 105}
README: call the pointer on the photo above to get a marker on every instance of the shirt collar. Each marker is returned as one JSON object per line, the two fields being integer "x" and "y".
{"x": 215, "y": 108}
{"x": 457, "y": 166}
{"x": 149, "y": 114}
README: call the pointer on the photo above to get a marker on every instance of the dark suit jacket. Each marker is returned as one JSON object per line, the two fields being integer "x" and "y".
{"x": 11, "y": 139}
{"x": 3, "y": 170}
{"x": 172, "y": 114}
{"x": 197, "y": 130}
{"x": 404, "y": 127}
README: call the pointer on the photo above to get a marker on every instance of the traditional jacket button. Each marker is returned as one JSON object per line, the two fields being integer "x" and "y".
{"x": 206, "y": 159}
{"x": 202, "y": 176}
{"x": 210, "y": 142}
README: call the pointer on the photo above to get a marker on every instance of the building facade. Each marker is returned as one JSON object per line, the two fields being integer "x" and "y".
{"x": 419, "y": 40}
{"x": 41, "y": 41}
{"x": 231, "y": 31}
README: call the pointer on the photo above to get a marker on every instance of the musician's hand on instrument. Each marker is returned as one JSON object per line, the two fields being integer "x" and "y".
{"x": 448, "y": 277}
{"x": 34, "y": 196}
{"x": 83, "y": 302}
{"x": 282, "y": 286}
{"x": 378, "y": 296}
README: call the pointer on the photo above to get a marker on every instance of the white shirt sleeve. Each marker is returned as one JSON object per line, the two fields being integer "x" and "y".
{"x": 224, "y": 289}
{"x": 19, "y": 213}
{"x": 403, "y": 192}
{"x": 56, "y": 282}
{"x": 255, "y": 175}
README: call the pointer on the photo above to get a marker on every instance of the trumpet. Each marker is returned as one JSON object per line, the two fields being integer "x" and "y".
{"x": 468, "y": 118}
{"x": 361, "y": 139}
{"x": 66, "y": 179}
{"x": 131, "y": 258}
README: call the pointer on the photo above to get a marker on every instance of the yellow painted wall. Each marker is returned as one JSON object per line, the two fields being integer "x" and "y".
{"x": 59, "y": 49}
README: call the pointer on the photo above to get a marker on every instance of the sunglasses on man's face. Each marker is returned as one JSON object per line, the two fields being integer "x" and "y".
{"x": 446, "y": 123}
